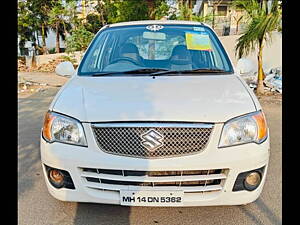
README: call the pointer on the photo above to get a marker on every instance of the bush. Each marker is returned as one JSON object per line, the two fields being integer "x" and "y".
{"x": 79, "y": 40}
{"x": 68, "y": 58}
{"x": 52, "y": 51}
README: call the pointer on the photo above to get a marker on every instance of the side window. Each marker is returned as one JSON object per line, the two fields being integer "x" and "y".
{"x": 107, "y": 51}
{"x": 219, "y": 59}
{"x": 216, "y": 58}
{"x": 92, "y": 62}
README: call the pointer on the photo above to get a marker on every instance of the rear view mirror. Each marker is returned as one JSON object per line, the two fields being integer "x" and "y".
{"x": 154, "y": 35}
{"x": 65, "y": 69}
{"x": 245, "y": 66}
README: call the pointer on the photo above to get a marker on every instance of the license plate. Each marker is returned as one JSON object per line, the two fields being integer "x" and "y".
{"x": 151, "y": 198}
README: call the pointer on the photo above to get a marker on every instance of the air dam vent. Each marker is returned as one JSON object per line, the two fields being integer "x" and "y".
{"x": 189, "y": 181}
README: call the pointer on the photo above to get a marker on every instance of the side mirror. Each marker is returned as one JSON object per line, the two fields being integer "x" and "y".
{"x": 65, "y": 69}
{"x": 245, "y": 66}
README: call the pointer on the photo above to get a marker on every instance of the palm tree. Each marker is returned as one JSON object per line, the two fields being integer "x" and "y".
{"x": 262, "y": 21}
{"x": 59, "y": 23}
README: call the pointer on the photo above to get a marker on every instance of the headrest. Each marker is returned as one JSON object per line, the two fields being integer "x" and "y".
{"x": 180, "y": 55}
{"x": 129, "y": 48}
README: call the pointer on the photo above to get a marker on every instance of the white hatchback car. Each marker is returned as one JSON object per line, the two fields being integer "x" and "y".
{"x": 155, "y": 115}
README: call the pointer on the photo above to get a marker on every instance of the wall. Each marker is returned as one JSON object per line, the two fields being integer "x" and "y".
{"x": 272, "y": 52}
{"x": 41, "y": 59}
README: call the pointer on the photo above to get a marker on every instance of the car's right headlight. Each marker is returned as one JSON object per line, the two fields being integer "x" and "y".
{"x": 244, "y": 129}
{"x": 61, "y": 128}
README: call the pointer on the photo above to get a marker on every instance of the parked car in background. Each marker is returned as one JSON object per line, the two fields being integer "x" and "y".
{"x": 155, "y": 115}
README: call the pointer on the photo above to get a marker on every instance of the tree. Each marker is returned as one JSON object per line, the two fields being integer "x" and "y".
{"x": 93, "y": 24}
{"x": 131, "y": 10}
{"x": 237, "y": 20}
{"x": 58, "y": 22}
{"x": 27, "y": 24}
{"x": 186, "y": 13}
{"x": 262, "y": 20}
{"x": 79, "y": 39}
{"x": 157, "y": 9}
{"x": 33, "y": 18}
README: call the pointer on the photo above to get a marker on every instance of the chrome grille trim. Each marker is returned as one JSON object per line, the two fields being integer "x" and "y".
{"x": 125, "y": 138}
{"x": 193, "y": 181}
{"x": 154, "y": 124}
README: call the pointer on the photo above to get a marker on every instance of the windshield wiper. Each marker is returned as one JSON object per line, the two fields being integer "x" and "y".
{"x": 158, "y": 72}
{"x": 137, "y": 71}
{"x": 199, "y": 70}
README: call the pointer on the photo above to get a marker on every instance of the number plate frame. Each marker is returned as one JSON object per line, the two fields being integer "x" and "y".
{"x": 151, "y": 198}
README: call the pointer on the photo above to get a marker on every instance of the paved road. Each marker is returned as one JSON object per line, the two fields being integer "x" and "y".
{"x": 36, "y": 206}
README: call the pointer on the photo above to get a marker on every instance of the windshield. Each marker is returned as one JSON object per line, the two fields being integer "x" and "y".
{"x": 154, "y": 47}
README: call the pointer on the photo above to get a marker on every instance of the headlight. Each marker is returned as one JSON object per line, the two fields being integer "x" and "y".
{"x": 244, "y": 129}
{"x": 64, "y": 129}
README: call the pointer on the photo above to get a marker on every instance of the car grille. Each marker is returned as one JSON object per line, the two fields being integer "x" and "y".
{"x": 188, "y": 181}
{"x": 178, "y": 139}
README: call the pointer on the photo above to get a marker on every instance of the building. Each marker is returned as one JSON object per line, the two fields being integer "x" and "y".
{"x": 221, "y": 15}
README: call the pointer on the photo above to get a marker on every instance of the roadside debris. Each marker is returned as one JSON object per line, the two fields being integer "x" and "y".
{"x": 272, "y": 81}
{"x": 48, "y": 67}
{"x": 45, "y": 67}
{"x": 22, "y": 66}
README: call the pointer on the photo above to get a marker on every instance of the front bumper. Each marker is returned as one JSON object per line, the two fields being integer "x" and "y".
{"x": 235, "y": 160}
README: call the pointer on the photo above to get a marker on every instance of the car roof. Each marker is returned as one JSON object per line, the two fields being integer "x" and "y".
{"x": 148, "y": 22}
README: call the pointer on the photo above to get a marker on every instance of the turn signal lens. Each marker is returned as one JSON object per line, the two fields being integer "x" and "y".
{"x": 261, "y": 126}
{"x": 47, "y": 126}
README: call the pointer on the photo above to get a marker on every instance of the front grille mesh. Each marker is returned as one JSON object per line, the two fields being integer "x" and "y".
{"x": 177, "y": 141}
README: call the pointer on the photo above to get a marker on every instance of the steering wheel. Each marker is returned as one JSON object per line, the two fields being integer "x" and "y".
{"x": 125, "y": 59}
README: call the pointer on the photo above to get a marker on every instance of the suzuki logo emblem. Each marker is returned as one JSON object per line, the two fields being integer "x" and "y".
{"x": 154, "y": 27}
{"x": 152, "y": 140}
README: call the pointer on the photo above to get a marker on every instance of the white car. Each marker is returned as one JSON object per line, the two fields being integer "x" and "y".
{"x": 155, "y": 115}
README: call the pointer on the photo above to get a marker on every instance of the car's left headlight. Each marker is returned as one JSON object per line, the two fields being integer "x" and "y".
{"x": 61, "y": 128}
{"x": 245, "y": 129}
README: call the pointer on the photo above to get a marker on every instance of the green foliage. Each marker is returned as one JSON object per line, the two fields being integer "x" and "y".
{"x": 32, "y": 15}
{"x": 161, "y": 9}
{"x": 79, "y": 40}
{"x": 130, "y": 10}
{"x": 185, "y": 13}
{"x": 62, "y": 16}
{"x": 261, "y": 22}
{"x": 68, "y": 58}
{"x": 260, "y": 25}
{"x": 51, "y": 51}
{"x": 57, "y": 18}
{"x": 93, "y": 23}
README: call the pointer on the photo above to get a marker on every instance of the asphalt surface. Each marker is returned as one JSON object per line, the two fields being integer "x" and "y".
{"x": 37, "y": 206}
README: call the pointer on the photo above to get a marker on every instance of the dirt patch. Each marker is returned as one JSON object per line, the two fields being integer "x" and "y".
{"x": 270, "y": 99}
{"x": 48, "y": 67}
{"x": 45, "y": 67}
{"x": 26, "y": 89}
{"x": 22, "y": 66}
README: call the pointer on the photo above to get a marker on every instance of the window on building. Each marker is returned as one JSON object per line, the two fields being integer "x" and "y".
{"x": 222, "y": 10}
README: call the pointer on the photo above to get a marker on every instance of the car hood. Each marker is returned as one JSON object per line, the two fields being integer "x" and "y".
{"x": 205, "y": 98}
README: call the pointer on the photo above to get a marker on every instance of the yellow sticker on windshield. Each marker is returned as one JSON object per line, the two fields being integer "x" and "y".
{"x": 195, "y": 41}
